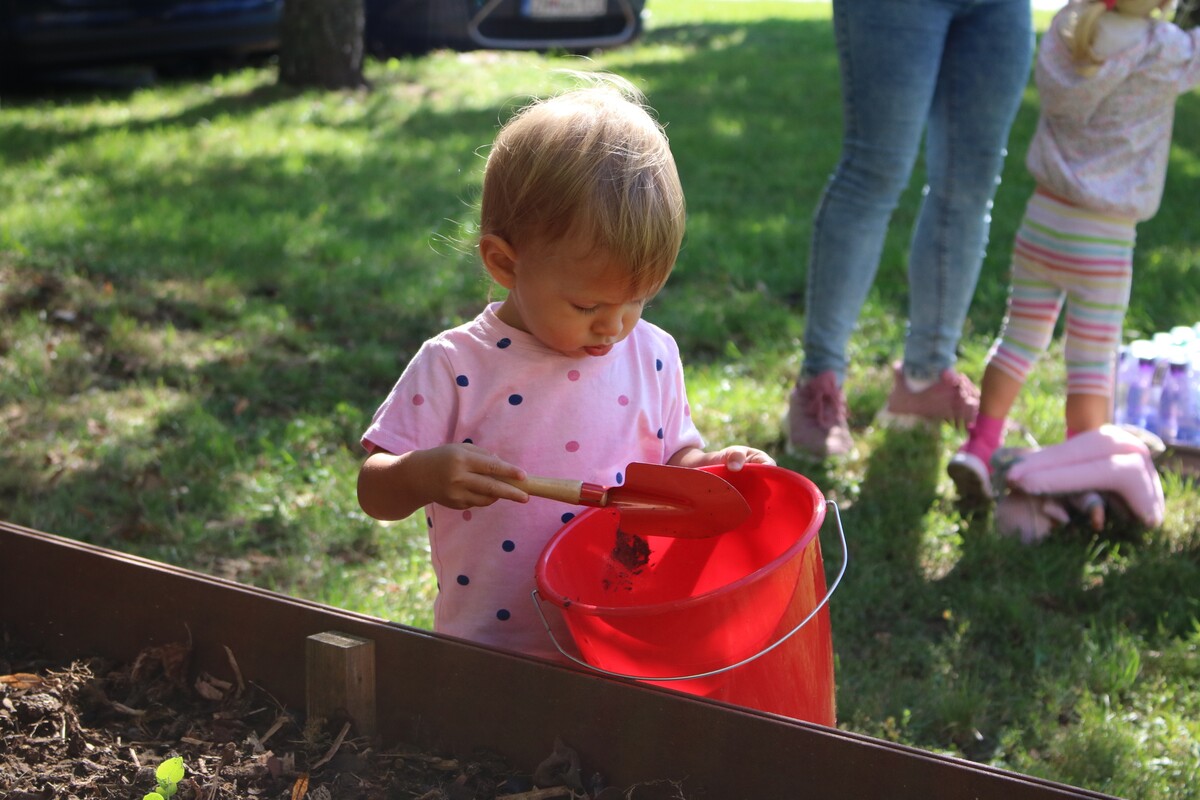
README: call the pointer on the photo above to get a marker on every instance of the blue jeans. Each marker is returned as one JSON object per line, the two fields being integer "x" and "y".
{"x": 954, "y": 70}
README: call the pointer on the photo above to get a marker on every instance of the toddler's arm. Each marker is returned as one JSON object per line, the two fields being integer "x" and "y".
{"x": 454, "y": 475}
{"x": 732, "y": 457}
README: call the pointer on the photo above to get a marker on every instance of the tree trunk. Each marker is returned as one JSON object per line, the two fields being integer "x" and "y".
{"x": 321, "y": 44}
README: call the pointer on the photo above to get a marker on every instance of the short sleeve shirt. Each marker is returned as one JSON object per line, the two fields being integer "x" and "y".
{"x": 499, "y": 388}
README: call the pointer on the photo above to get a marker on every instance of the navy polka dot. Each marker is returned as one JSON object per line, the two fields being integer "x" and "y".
{"x": 658, "y": 365}
{"x": 463, "y": 580}
{"x": 567, "y": 517}
{"x": 620, "y": 478}
{"x": 503, "y": 614}
{"x": 461, "y": 380}
{"x": 660, "y": 433}
{"x": 468, "y": 440}
{"x": 515, "y": 399}
{"x": 503, "y": 343}
{"x": 508, "y": 545}
{"x": 428, "y": 522}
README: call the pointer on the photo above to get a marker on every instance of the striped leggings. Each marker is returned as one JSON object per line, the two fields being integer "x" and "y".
{"x": 1064, "y": 252}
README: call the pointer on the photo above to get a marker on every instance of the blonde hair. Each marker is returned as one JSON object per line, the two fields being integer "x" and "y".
{"x": 593, "y": 162}
{"x": 1081, "y": 28}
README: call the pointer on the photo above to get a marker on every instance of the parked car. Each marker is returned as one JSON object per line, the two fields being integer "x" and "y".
{"x": 399, "y": 27}
{"x": 71, "y": 33}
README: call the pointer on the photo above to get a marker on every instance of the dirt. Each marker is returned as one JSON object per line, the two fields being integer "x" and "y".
{"x": 92, "y": 728}
{"x": 631, "y": 551}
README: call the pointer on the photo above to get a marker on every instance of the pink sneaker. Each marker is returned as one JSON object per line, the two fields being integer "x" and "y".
{"x": 953, "y": 398}
{"x": 816, "y": 420}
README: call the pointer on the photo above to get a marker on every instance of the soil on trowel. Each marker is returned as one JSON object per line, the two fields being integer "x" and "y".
{"x": 93, "y": 728}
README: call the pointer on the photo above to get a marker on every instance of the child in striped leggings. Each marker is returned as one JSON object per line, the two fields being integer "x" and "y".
{"x": 1108, "y": 75}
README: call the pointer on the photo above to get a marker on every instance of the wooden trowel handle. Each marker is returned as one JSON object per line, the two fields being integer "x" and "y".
{"x": 562, "y": 489}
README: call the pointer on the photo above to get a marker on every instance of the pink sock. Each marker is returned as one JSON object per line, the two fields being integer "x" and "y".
{"x": 985, "y": 437}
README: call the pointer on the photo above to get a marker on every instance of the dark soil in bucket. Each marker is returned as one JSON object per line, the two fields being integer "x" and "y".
{"x": 92, "y": 728}
{"x": 631, "y": 551}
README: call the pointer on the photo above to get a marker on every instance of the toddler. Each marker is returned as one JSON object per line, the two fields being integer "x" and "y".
{"x": 1108, "y": 76}
{"x": 582, "y": 216}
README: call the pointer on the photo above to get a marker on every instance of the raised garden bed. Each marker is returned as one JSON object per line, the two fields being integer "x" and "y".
{"x": 454, "y": 699}
{"x": 93, "y": 728}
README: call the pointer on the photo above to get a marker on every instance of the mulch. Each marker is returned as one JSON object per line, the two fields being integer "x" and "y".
{"x": 92, "y": 728}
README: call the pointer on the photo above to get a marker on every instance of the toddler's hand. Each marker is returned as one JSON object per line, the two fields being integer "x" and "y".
{"x": 734, "y": 458}
{"x": 464, "y": 476}
{"x": 738, "y": 456}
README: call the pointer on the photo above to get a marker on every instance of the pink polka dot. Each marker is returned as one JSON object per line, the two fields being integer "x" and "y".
{"x": 687, "y": 410}
{"x": 418, "y": 399}
{"x": 467, "y": 515}
{"x": 573, "y": 375}
{"x": 572, "y": 446}
{"x": 623, "y": 400}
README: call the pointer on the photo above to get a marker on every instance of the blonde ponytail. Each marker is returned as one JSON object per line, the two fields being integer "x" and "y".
{"x": 1079, "y": 33}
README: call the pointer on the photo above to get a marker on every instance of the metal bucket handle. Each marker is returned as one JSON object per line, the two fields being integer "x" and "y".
{"x": 537, "y": 603}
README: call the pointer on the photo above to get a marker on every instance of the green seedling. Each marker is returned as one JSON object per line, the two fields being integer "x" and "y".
{"x": 168, "y": 775}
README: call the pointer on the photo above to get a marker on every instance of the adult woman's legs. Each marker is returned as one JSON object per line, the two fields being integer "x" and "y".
{"x": 889, "y": 53}
{"x": 958, "y": 65}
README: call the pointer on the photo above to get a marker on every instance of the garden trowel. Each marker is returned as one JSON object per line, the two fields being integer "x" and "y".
{"x": 655, "y": 500}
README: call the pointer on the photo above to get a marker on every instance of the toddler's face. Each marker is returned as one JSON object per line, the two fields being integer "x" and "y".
{"x": 572, "y": 298}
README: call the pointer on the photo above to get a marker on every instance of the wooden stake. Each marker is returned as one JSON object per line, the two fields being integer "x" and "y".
{"x": 340, "y": 679}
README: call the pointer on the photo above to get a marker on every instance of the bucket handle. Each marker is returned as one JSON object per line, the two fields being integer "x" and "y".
{"x": 537, "y": 603}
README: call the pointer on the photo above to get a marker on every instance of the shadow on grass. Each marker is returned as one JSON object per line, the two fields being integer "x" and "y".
{"x": 25, "y": 144}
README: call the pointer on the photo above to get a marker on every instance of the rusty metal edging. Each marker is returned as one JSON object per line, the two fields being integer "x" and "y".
{"x": 74, "y": 599}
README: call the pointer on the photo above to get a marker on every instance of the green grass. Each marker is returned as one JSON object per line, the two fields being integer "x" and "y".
{"x": 207, "y": 286}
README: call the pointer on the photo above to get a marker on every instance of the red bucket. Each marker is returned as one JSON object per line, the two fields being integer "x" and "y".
{"x": 740, "y": 617}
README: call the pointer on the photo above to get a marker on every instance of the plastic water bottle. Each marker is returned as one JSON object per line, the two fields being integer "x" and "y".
{"x": 1174, "y": 401}
{"x": 1189, "y": 423}
{"x": 1136, "y": 385}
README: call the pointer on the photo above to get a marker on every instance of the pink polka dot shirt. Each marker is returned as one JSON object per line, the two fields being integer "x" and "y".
{"x": 555, "y": 416}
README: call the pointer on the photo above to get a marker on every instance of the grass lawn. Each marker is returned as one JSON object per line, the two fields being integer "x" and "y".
{"x": 207, "y": 286}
